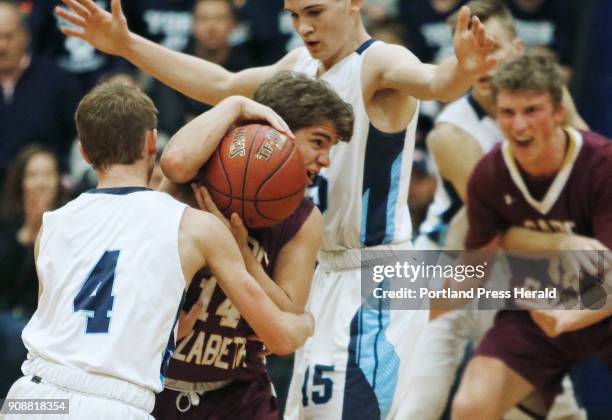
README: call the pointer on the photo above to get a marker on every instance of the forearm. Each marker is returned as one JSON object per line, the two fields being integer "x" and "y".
{"x": 523, "y": 239}
{"x": 195, "y": 142}
{"x": 449, "y": 81}
{"x": 273, "y": 290}
{"x": 192, "y": 76}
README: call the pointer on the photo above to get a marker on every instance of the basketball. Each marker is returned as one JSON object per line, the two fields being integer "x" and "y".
{"x": 258, "y": 173}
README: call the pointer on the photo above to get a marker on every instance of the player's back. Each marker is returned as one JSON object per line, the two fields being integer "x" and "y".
{"x": 112, "y": 283}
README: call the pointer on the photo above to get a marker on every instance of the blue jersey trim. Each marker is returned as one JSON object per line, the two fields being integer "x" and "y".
{"x": 479, "y": 110}
{"x": 381, "y": 180}
{"x": 117, "y": 190}
{"x": 364, "y": 46}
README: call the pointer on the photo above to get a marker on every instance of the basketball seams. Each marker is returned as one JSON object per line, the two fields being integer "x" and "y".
{"x": 251, "y": 200}
{"x": 246, "y": 170}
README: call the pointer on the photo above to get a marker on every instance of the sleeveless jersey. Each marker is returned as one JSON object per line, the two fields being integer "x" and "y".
{"x": 469, "y": 116}
{"x": 112, "y": 284}
{"x": 363, "y": 194}
{"x": 217, "y": 349}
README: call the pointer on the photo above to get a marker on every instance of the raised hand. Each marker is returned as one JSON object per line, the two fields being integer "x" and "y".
{"x": 106, "y": 31}
{"x": 254, "y": 111}
{"x": 473, "y": 48}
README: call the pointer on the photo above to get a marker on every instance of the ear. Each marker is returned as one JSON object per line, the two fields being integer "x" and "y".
{"x": 84, "y": 154}
{"x": 559, "y": 115}
{"x": 151, "y": 142}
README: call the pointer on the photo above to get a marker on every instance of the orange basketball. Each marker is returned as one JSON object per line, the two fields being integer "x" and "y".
{"x": 257, "y": 173}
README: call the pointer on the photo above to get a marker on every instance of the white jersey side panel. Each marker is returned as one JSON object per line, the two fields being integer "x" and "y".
{"x": 112, "y": 284}
{"x": 363, "y": 194}
{"x": 466, "y": 114}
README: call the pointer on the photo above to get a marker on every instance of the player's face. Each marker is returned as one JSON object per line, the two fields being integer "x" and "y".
{"x": 529, "y": 121}
{"x": 508, "y": 48}
{"x": 314, "y": 144}
{"x": 212, "y": 23}
{"x": 40, "y": 179}
{"x": 13, "y": 40}
{"x": 323, "y": 25}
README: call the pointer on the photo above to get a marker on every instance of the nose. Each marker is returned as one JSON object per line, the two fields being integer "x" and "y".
{"x": 323, "y": 159}
{"x": 304, "y": 28}
{"x": 519, "y": 123}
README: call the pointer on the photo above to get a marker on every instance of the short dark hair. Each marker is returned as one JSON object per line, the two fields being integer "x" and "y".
{"x": 489, "y": 9}
{"x": 112, "y": 121}
{"x": 304, "y": 102}
{"x": 530, "y": 72}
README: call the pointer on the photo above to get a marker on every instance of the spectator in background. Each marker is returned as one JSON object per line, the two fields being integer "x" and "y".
{"x": 166, "y": 22}
{"x": 213, "y": 23}
{"x": 37, "y": 98}
{"x": 375, "y": 11}
{"x": 72, "y": 54}
{"x": 547, "y": 24}
{"x": 32, "y": 187}
{"x": 428, "y": 35}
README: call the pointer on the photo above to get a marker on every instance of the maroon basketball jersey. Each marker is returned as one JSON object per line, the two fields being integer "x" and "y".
{"x": 577, "y": 200}
{"x": 217, "y": 349}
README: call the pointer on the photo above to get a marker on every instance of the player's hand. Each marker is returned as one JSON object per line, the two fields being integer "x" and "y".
{"x": 187, "y": 320}
{"x": 473, "y": 48}
{"x": 106, "y": 31}
{"x": 588, "y": 254}
{"x": 253, "y": 111}
{"x": 556, "y": 322}
{"x": 235, "y": 225}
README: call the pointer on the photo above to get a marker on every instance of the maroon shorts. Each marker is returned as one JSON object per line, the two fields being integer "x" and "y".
{"x": 543, "y": 361}
{"x": 239, "y": 400}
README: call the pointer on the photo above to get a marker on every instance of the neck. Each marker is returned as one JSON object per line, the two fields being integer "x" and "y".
{"x": 486, "y": 102}
{"x": 115, "y": 176}
{"x": 360, "y": 37}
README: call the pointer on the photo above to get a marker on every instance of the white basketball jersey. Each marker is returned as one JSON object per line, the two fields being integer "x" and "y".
{"x": 363, "y": 195}
{"x": 112, "y": 284}
{"x": 469, "y": 116}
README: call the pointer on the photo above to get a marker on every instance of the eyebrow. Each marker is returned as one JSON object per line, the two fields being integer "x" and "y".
{"x": 324, "y": 135}
{"x": 310, "y": 6}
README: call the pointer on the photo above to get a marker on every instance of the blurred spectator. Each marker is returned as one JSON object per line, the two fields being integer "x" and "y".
{"x": 166, "y": 22}
{"x": 32, "y": 187}
{"x": 72, "y": 54}
{"x": 428, "y": 34}
{"x": 213, "y": 22}
{"x": 37, "y": 98}
{"x": 375, "y": 11}
{"x": 387, "y": 30}
{"x": 547, "y": 24}
{"x": 269, "y": 30}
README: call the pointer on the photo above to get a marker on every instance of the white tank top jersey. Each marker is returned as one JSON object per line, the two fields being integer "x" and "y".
{"x": 363, "y": 195}
{"x": 112, "y": 284}
{"x": 469, "y": 116}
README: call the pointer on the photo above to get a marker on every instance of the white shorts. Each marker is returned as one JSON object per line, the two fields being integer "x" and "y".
{"x": 89, "y": 396}
{"x": 350, "y": 368}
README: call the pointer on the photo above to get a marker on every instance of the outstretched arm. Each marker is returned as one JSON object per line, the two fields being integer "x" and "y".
{"x": 396, "y": 68}
{"x": 281, "y": 332}
{"x": 194, "y": 77}
{"x": 195, "y": 142}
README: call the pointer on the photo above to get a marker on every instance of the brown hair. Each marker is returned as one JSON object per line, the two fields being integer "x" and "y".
{"x": 530, "y": 72}
{"x": 489, "y": 9}
{"x": 12, "y": 197}
{"x": 304, "y": 102}
{"x": 112, "y": 121}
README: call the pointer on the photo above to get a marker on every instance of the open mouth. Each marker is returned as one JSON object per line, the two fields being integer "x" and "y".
{"x": 311, "y": 44}
{"x": 311, "y": 176}
{"x": 523, "y": 143}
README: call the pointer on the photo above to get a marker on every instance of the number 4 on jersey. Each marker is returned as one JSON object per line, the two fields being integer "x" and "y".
{"x": 95, "y": 295}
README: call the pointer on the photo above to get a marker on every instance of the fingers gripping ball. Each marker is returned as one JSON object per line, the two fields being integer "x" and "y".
{"x": 258, "y": 173}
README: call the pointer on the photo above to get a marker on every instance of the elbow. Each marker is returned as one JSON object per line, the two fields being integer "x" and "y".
{"x": 171, "y": 165}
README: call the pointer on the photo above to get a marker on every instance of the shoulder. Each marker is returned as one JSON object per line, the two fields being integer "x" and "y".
{"x": 447, "y": 135}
